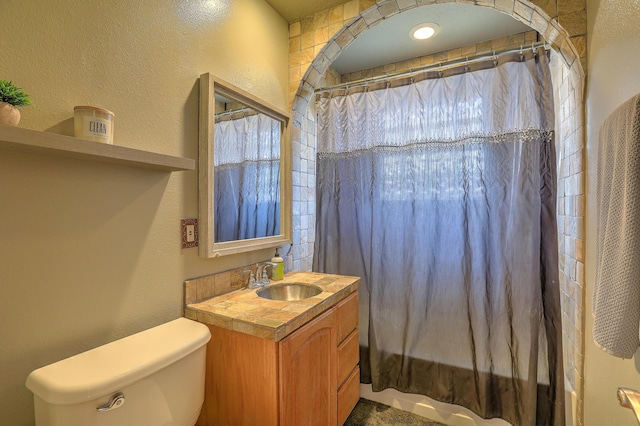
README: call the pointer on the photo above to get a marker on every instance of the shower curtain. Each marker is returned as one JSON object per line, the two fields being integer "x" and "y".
{"x": 441, "y": 195}
{"x": 246, "y": 178}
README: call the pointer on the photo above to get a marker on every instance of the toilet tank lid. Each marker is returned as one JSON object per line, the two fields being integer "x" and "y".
{"x": 113, "y": 366}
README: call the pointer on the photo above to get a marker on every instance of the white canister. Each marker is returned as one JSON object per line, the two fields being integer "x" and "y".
{"x": 92, "y": 123}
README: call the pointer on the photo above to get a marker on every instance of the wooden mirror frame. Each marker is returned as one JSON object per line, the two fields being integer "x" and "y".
{"x": 207, "y": 247}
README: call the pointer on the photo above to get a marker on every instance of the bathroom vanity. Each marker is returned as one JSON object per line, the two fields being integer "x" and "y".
{"x": 278, "y": 362}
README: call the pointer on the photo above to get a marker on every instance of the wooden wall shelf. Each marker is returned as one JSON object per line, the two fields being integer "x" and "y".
{"x": 33, "y": 141}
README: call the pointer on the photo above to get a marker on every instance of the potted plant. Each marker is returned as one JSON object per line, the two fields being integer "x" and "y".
{"x": 11, "y": 97}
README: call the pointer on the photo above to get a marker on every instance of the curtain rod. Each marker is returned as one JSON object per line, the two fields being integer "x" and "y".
{"x": 234, "y": 111}
{"x": 436, "y": 67}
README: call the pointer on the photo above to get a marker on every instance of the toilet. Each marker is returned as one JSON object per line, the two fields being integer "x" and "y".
{"x": 152, "y": 378}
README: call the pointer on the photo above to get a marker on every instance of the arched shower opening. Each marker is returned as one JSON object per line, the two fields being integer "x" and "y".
{"x": 568, "y": 82}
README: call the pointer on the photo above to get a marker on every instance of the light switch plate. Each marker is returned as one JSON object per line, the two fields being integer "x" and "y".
{"x": 191, "y": 233}
{"x": 189, "y": 229}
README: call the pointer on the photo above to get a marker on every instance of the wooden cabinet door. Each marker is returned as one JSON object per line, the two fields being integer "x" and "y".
{"x": 241, "y": 383}
{"x": 308, "y": 374}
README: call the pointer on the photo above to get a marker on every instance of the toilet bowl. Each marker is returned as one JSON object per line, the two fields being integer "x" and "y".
{"x": 154, "y": 378}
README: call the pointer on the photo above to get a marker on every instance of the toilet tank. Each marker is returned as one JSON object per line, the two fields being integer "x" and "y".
{"x": 159, "y": 372}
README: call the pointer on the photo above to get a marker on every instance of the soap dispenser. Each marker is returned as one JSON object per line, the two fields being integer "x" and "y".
{"x": 277, "y": 271}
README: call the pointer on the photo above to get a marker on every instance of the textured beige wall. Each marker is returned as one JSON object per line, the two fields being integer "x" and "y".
{"x": 614, "y": 66}
{"x": 90, "y": 253}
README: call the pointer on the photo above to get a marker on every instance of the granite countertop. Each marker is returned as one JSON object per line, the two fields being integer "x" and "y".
{"x": 243, "y": 311}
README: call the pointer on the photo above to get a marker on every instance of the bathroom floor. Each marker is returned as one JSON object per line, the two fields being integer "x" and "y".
{"x": 369, "y": 413}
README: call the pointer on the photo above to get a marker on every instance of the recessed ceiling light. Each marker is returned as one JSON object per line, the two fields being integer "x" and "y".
{"x": 424, "y": 31}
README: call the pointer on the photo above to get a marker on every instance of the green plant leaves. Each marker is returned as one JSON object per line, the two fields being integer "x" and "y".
{"x": 12, "y": 94}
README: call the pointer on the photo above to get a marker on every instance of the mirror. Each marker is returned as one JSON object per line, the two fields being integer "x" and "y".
{"x": 244, "y": 195}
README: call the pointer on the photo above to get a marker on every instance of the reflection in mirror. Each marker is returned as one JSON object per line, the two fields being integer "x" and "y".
{"x": 244, "y": 171}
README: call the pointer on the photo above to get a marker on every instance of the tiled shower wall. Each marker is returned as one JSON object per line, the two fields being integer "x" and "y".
{"x": 571, "y": 210}
{"x": 315, "y": 41}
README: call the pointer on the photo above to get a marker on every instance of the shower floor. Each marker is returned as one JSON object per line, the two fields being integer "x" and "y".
{"x": 369, "y": 413}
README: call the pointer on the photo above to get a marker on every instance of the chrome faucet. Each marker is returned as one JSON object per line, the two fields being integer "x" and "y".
{"x": 629, "y": 398}
{"x": 261, "y": 273}
{"x": 252, "y": 279}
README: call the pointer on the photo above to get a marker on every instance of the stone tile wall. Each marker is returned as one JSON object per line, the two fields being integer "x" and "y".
{"x": 317, "y": 40}
{"x": 203, "y": 288}
{"x": 571, "y": 209}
